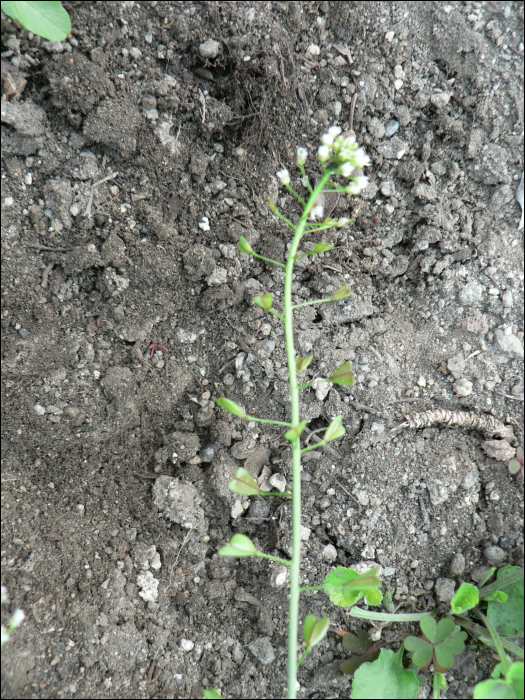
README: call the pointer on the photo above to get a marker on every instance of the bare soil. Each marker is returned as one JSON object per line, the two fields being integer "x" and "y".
{"x": 134, "y": 156}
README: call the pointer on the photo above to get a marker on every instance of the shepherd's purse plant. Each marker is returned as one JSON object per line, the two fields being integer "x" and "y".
{"x": 339, "y": 156}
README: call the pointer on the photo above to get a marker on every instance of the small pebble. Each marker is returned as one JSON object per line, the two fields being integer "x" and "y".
{"x": 471, "y": 293}
{"x": 391, "y": 127}
{"x": 463, "y": 387}
{"x": 457, "y": 565}
{"x": 494, "y": 555}
{"x": 210, "y": 49}
{"x": 329, "y": 553}
{"x": 445, "y": 589}
{"x": 39, "y": 410}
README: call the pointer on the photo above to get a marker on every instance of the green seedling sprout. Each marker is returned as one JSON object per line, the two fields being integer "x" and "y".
{"x": 47, "y": 19}
{"x": 339, "y": 156}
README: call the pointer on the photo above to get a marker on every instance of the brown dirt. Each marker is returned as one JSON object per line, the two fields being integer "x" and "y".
{"x": 115, "y": 466}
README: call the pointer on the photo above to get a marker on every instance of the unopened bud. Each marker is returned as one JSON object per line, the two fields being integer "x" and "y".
{"x": 284, "y": 177}
{"x": 302, "y": 155}
{"x": 323, "y": 153}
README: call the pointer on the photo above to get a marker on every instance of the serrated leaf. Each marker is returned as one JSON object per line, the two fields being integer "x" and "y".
{"x": 239, "y": 546}
{"x": 335, "y": 588}
{"x": 507, "y": 617}
{"x": 303, "y": 362}
{"x": 374, "y": 597}
{"x": 296, "y": 431}
{"x": 315, "y": 630}
{"x": 344, "y": 375}
{"x": 335, "y": 430}
{"x": 244, "y": 246}
{"x": 357, "y": 645}
{"x": 465, "y": 599}
{"x": 385, "y": 678}
{"x": 244, "y": 483}
{"x": 341, "y": 293}
{"x": 265, "y": 301}
{"x": 231, "y": 407}
{"x": 47, "y": 19}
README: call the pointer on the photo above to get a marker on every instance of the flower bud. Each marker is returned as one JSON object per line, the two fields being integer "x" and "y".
{"x": 284, "y": 177}
{"x": 358, "y": 184}
{"x": 360, "y": 159}
{"x": 343, "y": 221}
{"x": 302, "y": 155}
{"x": 323, "y": 153}
{"x": 346, "y": 169}
{"x": 334, "y": 131}
{"x": 317, "y": 212}
{"x": 327, "y": 139}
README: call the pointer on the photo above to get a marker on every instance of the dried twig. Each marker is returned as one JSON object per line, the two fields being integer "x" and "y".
{"x": 488, "y": 425}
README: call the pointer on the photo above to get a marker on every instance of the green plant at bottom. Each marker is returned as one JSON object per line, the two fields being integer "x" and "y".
{"x": 47, "y": 19}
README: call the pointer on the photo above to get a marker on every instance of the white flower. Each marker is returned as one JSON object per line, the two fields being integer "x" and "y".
{"x": 17, "y": 618}
{"x": 347, "y": 169}
{"x": 343, "y": 221}
{"x": 317, "y": 212}
{"x": 360, "y": 159}
{"x": 323, "y": 153}
{"x": 284, "y": 177}
{"x": 358, "y": 184}
{"x": 302, "y": 155}
{"x": 327, "y": 139}
{"x": 334, "y": 131}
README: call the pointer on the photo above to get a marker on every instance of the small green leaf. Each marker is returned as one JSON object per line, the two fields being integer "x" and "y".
{"x": 465, "y": 599}
{"x": 436, "y": 633}
{"x": 212, "y": 694}
{"x": 47, "y": 19}
{"x": 321, "y": 248}
{"x": 514, "y": 466}
{"x": 364, "y": 582}
{"x": 498, "y": 597}
{"x": 357, "y": 645}
{"x": 344, "y": 375}
{"x": 374, "y": 597}
{"x": 510, "y": 687}
{"x": 239, "y": 546}
{"x": 507, "y": 617}
{"x": 385, "y": 678}
{"x": 295, "y": 432}
{"x": 231, "y": 407}
{"x": 265, "y": 301}
{"x": 244, "y": 246}
{"x": 335, "y": 430}
{"x": 341, "y": 293}
{"x": 345, "y": 587}
{"x": 443, "y": 658}
{"x": 244, "y": 484}
{"x": 303, "y": 362}
{"x": 455, "y": 644}
{"x": 422, "y": 651}
{"x": 315, "y": 630}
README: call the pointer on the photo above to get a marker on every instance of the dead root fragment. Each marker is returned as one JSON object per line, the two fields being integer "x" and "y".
{"x": 488, "y": 425}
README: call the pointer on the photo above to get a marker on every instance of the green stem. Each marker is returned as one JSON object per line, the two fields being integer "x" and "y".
{"x": 305, "y": 386}
{"x": 319, "y": 228}
{"x": 255, "y": 255}
{"x": 496, "y": 639}
{"x": 313, "y": 447}
{"x": 296, "y": 195}
{"x": 303, "y": 657}
{"x": 263, "y": 420}
{"x": 306, "y": 179}
{"x": 262, "y": 555}
{"x": 283, "y": 218}
{"x": 274, "y": 312}
{"x": 293, "y": 622}
{"x": 387, "y": 617}
{"x": 501, "y": 583}
{"x": 311, "y": 588}
{"x": 284, "y": 495}
{"x": 311, "y": 303}
{"x": 436, "y": 691}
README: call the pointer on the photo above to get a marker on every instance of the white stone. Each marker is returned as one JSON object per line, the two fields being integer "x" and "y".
{"x": 150, "y": 587}
{"x": 39, "y": 410}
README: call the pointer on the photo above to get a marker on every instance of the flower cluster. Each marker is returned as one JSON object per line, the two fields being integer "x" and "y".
{"x": 344, "y": 157}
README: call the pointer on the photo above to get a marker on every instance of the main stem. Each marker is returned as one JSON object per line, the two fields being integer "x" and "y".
{"x": 293, "y": 624}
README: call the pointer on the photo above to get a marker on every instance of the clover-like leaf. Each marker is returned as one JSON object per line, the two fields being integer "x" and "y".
{"x": 244, "y": 246}
{"x": 344, "y": 375}
{"x": 422, "y": 651}
{"x": 239, "y": 546}
{"x": 435, "y": 633}
{"x": 335, "y": 430}
{"x": 341, "y": 293}
{"x": 303, "y": 362}
{"x": 231, "y": 407}
{"x": 357, "y": 645}
{"x": 315, "y": 630}
{"x": 244, "y": 483}
{"x": 265, "y": 301}
{"x": 296, "y": 431}
{"x": 465, "y": 599}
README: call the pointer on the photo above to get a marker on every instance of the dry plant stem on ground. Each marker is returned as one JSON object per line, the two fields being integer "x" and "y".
{"x": 339, "y": 156}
